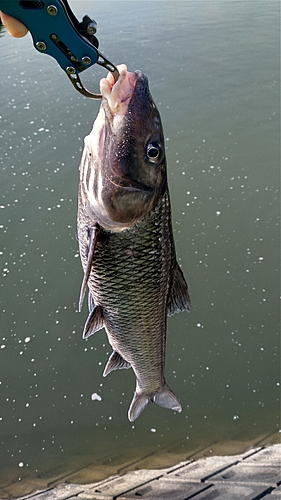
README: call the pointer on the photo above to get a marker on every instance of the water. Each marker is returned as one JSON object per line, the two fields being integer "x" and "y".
{"x": 213, "y": 69}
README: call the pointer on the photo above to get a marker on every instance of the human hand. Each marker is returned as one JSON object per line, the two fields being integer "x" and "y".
{"x": 14, "y": 27}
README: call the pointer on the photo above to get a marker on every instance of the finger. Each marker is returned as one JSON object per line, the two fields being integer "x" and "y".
{"x": 14, "y": 27}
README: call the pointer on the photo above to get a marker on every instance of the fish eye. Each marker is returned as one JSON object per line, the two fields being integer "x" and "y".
{"x": 154, "y": 152}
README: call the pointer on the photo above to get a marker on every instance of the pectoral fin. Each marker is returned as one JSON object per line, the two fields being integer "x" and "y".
{"x": 94, "y": 237}
{"x": 179, "y": 299}
{"x": 94, "y": 322}
{"x": 115, "y": 362}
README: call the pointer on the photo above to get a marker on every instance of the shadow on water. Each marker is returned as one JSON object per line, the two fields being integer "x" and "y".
{"x": 220, "y": 109}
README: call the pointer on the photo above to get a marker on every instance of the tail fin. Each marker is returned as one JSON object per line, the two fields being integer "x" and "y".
{"x": 164, "y": 397}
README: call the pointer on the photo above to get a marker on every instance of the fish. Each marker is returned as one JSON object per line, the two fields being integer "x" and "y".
{"x": 125, "y": 237}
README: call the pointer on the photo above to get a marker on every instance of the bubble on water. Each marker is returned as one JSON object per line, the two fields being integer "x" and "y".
{"x": 152, "y": 430}
{"x": 95, "y": 397}
{"x": 27, "y": 339}
{"x": 21, "y": 464}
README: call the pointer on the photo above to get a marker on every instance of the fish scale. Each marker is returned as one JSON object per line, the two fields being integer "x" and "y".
{"x": 140, "y": 270}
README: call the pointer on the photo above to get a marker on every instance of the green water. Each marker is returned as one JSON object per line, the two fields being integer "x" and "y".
{"x": 213, "y": 68}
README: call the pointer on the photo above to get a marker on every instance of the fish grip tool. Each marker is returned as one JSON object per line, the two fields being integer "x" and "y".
{"x": 57, "y": 32}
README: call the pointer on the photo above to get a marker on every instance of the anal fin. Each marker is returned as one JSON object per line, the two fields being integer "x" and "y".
{"x": 115, "y": 362}
{"x": 94, "y": 237}
{"x": 94, "y": 322}
{"x": 179, "y": 299}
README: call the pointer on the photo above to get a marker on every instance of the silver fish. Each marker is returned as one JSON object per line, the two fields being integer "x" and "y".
{"x": 125, "y": 237}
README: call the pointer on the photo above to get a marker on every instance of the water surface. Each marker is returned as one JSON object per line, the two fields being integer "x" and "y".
{"x": 213, "y": 69}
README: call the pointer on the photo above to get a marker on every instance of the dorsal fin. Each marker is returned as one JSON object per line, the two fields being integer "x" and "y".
{"x": 179, "y": 299}
{"x": 94, "y": 322}
{"x": 115, "y": 362}
{"x": 94, "y": 237}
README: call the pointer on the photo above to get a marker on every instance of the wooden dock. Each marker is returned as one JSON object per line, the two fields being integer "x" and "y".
{"x": 252, "y": 475}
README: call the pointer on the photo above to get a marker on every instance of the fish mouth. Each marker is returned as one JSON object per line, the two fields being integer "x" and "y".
{"x": 118, "y": 95}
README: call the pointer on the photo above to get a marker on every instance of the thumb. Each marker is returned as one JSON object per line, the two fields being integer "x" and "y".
{"x": 14, "y": 27}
